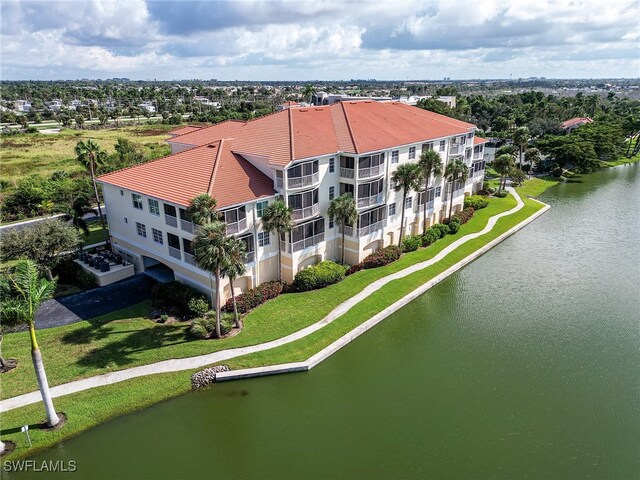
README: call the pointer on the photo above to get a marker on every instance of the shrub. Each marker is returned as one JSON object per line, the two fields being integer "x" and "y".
{"x": 440, "y": 229}
{"x": 318, "y": 276}
{"x": 256, "y": 296}
{"x": 175, "y": 296}
{"x": 476, "y": 201}
{"x": 454, "y": 226}
{"x": 69, "y": 272}
{"x": 354, "y": 268}
{"x": 501, "y": 194}
{"x": 411, "y": 243}
{"x": 198, "y": 306}
{"x": 205, "y": 327}
{"x": 382, "y": 257}
{"x": 464, "y": 216}
{"x": 429, "y": 238}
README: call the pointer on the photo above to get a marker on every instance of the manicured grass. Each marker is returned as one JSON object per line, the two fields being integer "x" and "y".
{"x": 92, "y": 407}
{"x": 536, "y": 186}
{"x": 25, "y": 154}
{"x": 96, "y": 233}
{"x": 126, "y": 338}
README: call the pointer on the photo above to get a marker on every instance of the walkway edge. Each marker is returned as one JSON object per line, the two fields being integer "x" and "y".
{"x": 376, "y": 319}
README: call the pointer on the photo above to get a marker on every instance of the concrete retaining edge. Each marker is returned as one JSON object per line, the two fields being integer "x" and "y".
{"x": 376, "y": 319}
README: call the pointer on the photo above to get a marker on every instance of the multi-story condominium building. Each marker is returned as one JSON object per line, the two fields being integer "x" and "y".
{"x": 305, "y": 155}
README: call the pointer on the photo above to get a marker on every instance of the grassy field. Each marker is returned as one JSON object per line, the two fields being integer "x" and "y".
{"x": 124, "y": 339}
{"x": 25, "y": 154}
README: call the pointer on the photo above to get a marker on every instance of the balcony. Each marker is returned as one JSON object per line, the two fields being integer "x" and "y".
{"x": 186, "y": 225}
{"x": 171, "y": 220}
{"x": 420, "y": 208}
{"x": 279, "y": 183}
{"x": 302, "y": 244}
{"x": 347, "y": 172}
{"x": 302, "y": 213}
{"x": 369, "y": 172}
{"x": 189, "y": 258}
{"x": 372, "y": 200}
{"x": 304, "y": 181}
{"x": 236, "y": 227}
{"x": 175, "y": 253}
{"x": 456, "y": 149}
{"x": 363, "y": 231}
{"x": 478, "y": 156}
{"x": 478, "y": 173}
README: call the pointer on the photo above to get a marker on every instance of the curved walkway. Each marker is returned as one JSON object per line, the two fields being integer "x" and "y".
{"x": 190, "y": 363}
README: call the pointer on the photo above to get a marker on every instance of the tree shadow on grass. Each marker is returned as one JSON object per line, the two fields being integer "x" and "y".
{"x": 124, "y": 344}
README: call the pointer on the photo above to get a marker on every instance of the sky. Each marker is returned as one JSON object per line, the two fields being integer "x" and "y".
{"x": 318, "y": 39}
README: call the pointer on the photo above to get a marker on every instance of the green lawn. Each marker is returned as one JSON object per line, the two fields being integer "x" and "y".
{"x": 23, "y": 155}
{"x": 125, "y": 339}
{"x": 96, "y": 233}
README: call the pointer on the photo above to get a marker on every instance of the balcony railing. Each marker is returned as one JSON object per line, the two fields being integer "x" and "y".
{"x": 186, "y": 225}
{"x": 370, "y": 171}
{"x": 305, "y": 181}
{"x": 300, "y": 213}
{"x": 457, "y": 192}
{"x": 302, "y": 244}
{"x": 478, "y": 156}
{"x": 236, "y": 227}
{"x": 190, "y": 259}
{"x": 479, "y": 173}
{"x": 366, "y": 230}
{"x": 171, "y": 221}
{"x": 175, "y": 253}
{"x": 372, "y": 200}
{"x": 347, "y": 172}
{"x": 420, "y": 207}
{"x": 249, "y": 257}
{"x": 456, "y": 149}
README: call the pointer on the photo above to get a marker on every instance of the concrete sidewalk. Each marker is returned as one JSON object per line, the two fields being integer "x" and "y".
{"x": 216, "y": 357}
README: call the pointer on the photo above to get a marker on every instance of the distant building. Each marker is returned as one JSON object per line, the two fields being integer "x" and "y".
{"x": 148, "y": 106}
{"x": 54, "y": 105}
{"x": 288, "y": 104}
{"x": 22, "y": 106}
{"x": 573, "y": 123}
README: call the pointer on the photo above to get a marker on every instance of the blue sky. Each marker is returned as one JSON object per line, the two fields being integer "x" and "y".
{"x": 324, "y": 40}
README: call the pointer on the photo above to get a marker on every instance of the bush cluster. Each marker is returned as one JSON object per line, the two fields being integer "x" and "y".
{"x": 354, "y": 268}
{"x": 176, "y": 297}
{"x": 454, "y": 225}
{"x": 382, "y": 257}
{"x": 464, "y": 216}
{"x": 440, "y": 230}
{"x": 256, "y": 296}
{"x": 411, "y": 243}
{"x": 70, "y": 273}
{"x": 198, "y": 306}
{"x": 501, "y": 194}
{"x": 318, "y": 276}
{"x": 476, "y": 201}
{"x": 205, "y": 326}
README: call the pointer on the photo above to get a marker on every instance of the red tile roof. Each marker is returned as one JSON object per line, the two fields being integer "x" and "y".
{"x": 479, "y": 140}
{"x": 183, "y": 130}
{"x": 206, "y": 135}
{"x": 212, "y": 168}
{"x": 290, "y": 103}
{"x": 575, "y": 121}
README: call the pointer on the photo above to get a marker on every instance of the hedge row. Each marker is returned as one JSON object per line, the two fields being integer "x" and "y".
{"x": 379, "y": 258}
{"x": 318, "y": 276}
{"x": 476, "y": 201}
{"x": 256, "y": 296}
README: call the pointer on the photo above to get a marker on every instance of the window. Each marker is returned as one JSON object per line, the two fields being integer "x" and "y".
{"x": 141, "y": 229}
{"x": 412, "y": 153}
{"x": 332, "y": 192}
{"x": 126, "y": 220}
{"x": 174, "y": 241}
{"x": 346, "y": 188}
{"x": 366, "y": 190}
{"x": 260, "y": 206}
{"x": 427, "y": 146}
{"x": 442, "y": 145}
{"x": 409, "y": 202}
{"x": 137, "y": 201}
{"x": 395, "y": 156}
{"x": 332, "y": 166}
{"x": 438, "y": 191}
{"x": 264, "y": 239}
{"x": 154, "y": 207}
{"x": 121, "y": 193}
{"x": 392, "y": 209}
{"x": 330, "y": 222}
{"x": 157, "y": 236}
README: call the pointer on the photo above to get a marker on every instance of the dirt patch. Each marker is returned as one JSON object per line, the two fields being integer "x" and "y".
{"x": 63, "y": 420}
{"x": 9, "y": 447}
{"x": 9, "y": 365}
{"x": 149, "y": 132}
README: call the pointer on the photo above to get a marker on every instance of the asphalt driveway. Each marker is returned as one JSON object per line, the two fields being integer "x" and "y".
{"x": 95, "y": 302}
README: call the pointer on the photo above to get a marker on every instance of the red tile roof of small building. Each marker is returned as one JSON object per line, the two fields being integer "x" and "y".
{"x": 206, "y": 135}
{"x": 183, "y": 130}
{"x": 479, "y": 140}
{"x": 575, "y": 121}
{"x": 212, "y": 168}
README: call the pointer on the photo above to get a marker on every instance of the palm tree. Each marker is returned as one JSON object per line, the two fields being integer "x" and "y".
{"x": 278, "y": 218}
{"x": 234, "y": 268}
{"x": 456, "y": 170}
{"x": 343, "y": 209}
{"x": 431, "y": 164}
{"x": 91, "y": 156}
{"x": 503, "y": 165}
{"x": 407, "y": 177}
{"x": 520, "y": 138}
{"x": 532, "y": 157}
{"x": 211, "y": 254}
{"x": 75, "y": 213}
{"x": 308, "y": 92}
{"x": 202, "y": 209}
{"x": 29, "y": 291}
